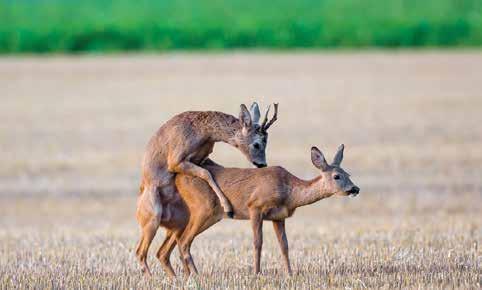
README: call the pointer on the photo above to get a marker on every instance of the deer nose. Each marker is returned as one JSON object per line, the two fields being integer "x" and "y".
{"x": 354, "y": 190}
{"x": 259, "y": 165}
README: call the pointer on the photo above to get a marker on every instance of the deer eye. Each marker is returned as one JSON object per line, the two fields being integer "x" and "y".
{"x": 336, "y": 177}
{"x": 256, "y": 146}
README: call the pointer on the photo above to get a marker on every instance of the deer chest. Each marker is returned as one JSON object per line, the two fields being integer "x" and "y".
{"x": 277, "y": 213}
{"x": 202, "y": 153}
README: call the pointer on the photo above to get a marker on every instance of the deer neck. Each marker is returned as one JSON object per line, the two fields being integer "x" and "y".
{"x": 223, "y": 128}
{"x": 305, "y": 192}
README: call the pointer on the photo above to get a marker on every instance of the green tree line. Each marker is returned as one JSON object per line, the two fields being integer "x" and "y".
{"x": 65, "y": 26}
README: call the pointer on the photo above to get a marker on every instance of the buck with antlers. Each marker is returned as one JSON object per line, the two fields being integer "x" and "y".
{"x": 178, "y": 147}
{"x": 270, "y": 193}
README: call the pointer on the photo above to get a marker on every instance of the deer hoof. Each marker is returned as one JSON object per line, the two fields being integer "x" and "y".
{"x": 230, "y": 214}
{"x": 147, "y": 273}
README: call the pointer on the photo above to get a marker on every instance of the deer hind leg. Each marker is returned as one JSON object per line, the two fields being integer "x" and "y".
{"x": 167, "y": 194}
{"x": 164, "y": 253}
{"x": 185, "y": 248}
{"x": 185, "y": 266}
{"x": 192, "y": 169}
{"x": 148, "y": 233}
{"x": 279, "y": 228}
{"x": 197, "y": 224}
{"x": 149, "y": 212}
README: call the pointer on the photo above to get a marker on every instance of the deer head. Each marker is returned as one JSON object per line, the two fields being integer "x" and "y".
{"x": 336, "y": 180}
{"x": 252, "y": 139}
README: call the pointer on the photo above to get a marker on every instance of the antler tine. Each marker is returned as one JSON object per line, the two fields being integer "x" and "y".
{"x": 265, "y": 118}
{"x": 275, "y": 117}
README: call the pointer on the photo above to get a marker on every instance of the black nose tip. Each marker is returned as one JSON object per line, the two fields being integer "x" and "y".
{"x": 354, "y": 190}
{"x": 259, "y": 165}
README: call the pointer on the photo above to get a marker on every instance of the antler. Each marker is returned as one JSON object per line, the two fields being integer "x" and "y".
{"x": 266, "y": 124}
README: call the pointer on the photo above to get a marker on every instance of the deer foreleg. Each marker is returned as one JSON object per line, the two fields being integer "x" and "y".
{"x": 192, "y": 169}
{"x": 257, "y": 225}
{"x": 279, "y": 228}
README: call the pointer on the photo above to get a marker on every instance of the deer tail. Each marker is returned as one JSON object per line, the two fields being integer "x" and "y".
{"x": 141, "y": 189}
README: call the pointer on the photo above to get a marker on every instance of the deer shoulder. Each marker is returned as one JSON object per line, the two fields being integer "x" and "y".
{"x": 270, "y": 194}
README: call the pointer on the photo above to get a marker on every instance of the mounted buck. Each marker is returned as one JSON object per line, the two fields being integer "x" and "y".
{"x": 178, "y": 147}
{"x": 270, "y": 193}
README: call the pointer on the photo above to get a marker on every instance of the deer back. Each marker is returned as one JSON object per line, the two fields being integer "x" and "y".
{"x": 264, "y": 188}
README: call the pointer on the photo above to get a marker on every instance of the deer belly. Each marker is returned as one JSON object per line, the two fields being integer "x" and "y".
{"x": 201, "y": 153}
{"x": 277, "y": 213}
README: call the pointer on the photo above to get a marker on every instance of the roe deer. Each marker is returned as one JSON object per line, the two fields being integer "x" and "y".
{"x": 270, "y": 193}
{"x": 179, "y": 146}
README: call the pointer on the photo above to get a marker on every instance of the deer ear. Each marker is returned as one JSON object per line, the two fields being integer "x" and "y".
{"x": 339, "y": 155}
{"x": 255, "y": 114}
{"x": 245, "y": 117}
{"x": 318, "y": 159}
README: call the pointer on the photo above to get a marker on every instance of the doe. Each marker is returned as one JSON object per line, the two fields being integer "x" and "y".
{"x": 270, "y": 193}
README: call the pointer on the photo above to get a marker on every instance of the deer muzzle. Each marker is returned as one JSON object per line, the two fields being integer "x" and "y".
{"x": 354, "y": 190}
{"x": 260, "y": 165}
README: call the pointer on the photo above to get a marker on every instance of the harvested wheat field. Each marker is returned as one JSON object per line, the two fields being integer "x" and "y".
{"x": 73, "y": 130}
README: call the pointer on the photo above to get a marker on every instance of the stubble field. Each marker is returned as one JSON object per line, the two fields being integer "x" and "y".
{"x": 73, "y": 130}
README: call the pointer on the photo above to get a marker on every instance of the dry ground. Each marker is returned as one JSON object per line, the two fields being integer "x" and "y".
{"x": 72, "y": 132}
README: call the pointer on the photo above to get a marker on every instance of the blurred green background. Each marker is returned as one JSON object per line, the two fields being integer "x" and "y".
{"x": 65, "y": 26}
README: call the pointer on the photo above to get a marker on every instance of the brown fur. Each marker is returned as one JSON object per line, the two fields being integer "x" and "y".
{"x": 270, "y": 193}
{"x": 179, "y": 146}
